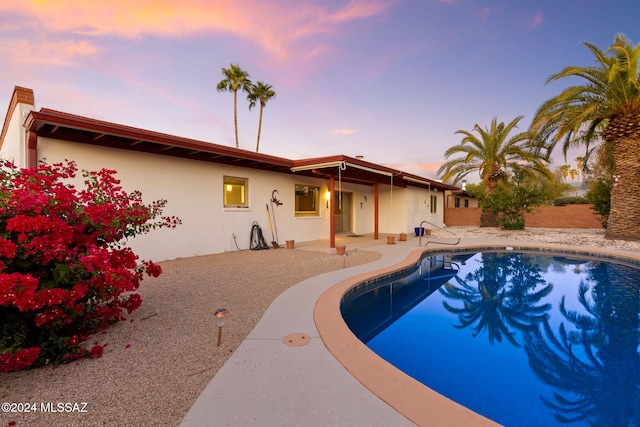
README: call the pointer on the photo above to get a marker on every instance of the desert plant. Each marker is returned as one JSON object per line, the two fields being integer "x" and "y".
{"x": 495, "y": 154}
{"x": 65, "y": 271}
{"x": 512, "y": 201}
{"x": 602, "y": 105}
{"x": 600, "y": 196}
{"x": 570, "y": 200}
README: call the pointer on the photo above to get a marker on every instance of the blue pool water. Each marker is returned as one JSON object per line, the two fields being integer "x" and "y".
{"x": 523, "y": 338}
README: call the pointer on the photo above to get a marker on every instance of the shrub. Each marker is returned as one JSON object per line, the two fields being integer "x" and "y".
{"x": 571, "y": 200}
{"x": 64, "y": 269}
{"x": 600, "y": 195}
{"x": 512, "y": 201}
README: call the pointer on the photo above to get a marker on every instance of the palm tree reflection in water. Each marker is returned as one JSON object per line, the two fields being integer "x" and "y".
{"x": 591, "y": 361}
{"x": 500, "y": 295}
{"x": 595, "y": 367}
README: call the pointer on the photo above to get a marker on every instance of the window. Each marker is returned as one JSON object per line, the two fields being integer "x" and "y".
{"x": 235, "y": 192}
{"x": 466, "y": 203}
{"x": 456, "y": 202}
{"x": 307, "y": 200}
{"x": 434, "y": 204}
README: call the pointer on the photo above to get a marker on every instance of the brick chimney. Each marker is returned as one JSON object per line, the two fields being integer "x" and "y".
{"x": 21, "y": 95}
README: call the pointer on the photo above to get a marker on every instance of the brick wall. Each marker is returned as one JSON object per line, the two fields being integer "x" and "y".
{"x": 462, "y": 216}
{"x": 569, "y": 216}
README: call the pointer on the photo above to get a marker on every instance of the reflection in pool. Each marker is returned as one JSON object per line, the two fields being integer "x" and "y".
{"x": 523, "y": 338}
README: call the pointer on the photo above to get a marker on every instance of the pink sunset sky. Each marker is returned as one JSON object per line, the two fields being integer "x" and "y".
{"x": 391, "y": 80}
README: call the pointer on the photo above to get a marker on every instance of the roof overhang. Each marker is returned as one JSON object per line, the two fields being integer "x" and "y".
{"x": 345, "y": 169}
{"x": 349, "y": 169}
{"x": 54, "y": 124}
{"x": 58, "y": 125}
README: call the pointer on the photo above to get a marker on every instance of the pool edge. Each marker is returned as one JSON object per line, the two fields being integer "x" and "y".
{"x": 415, "y": 401}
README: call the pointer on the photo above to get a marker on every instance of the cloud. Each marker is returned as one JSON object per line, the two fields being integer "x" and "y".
{"x": 342, "y": 132}
{"x": 288, "y": 39}
{"x": 535, "y": 21}
{"x": 57, "y": 53}
{"x": 483, "y": 13}
{"x": 421, "y": 169}
{"x": 357, "y": 9}
{"x": 274, "y": 26}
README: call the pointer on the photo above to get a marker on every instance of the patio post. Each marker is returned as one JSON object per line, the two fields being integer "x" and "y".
{"x": 376, "y": 200}
{"x": 332, "y": 216}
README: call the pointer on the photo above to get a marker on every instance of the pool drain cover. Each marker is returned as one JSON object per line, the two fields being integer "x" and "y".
{"x": 296, "y": 340}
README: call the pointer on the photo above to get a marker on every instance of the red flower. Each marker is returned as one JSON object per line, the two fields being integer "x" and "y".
{"x": 96, "y": 351}
{"x": 72, "y": 243}
{"x": 22, "y": 359}
{"x": 18, "y": 290}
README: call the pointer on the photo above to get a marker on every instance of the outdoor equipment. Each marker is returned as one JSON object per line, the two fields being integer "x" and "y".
{"x": 273, "y": 242}
{"x": 274, "y": 200}
{"x": 257, "y": 239}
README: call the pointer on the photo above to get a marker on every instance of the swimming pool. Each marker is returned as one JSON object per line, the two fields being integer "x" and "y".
{"x": 521, "y": 337}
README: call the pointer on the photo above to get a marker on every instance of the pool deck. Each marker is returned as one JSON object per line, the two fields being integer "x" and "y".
{"x": 285, "y": 374}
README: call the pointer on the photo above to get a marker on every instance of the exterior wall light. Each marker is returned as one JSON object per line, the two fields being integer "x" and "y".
{"x": 221, "y": 315}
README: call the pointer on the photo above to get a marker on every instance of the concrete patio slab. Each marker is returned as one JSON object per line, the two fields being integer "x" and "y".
{"x": 269, "y": 383}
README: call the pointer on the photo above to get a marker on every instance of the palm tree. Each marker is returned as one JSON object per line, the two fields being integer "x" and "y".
{"x": 494, "y": 154}
{"x": 573, "y": 173}
{"x": 260, "y": 92}
{"x": 606, "y": 106}
{"x": 235, "y": 78}
{"x": 580, "y": 163}
{"x": 564, "y": 169}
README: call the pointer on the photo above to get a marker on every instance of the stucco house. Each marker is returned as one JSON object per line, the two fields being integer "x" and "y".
{"x": 460, "y": 199}
{"x": 219, "y": 191}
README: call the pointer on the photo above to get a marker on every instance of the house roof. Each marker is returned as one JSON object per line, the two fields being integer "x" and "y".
{"x": 59, "y": 125}
{"x": 350, "y": 169}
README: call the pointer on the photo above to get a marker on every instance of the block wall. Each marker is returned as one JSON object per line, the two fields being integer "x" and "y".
{"x": 569, "y": 216}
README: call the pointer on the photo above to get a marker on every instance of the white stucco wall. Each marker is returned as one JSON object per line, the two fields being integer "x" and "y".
{"x": 14, "y": 147}
{"x": 194, "y": 193}
{"x": 402, "y": 209}
{"x": 419, "y": 207}
{"x": 392, "y": 208}
{"x": 363, "y": 208}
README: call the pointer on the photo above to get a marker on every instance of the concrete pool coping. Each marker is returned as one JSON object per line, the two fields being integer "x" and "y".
{"x": 333, "y": 379}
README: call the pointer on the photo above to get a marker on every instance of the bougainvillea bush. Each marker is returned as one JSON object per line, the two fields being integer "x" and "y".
{"x": 65, "y": 269}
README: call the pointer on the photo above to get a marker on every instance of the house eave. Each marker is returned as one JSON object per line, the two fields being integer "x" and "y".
{"x": 58, "y": 125}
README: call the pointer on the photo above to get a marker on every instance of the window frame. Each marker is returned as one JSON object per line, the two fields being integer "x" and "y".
{"x": 240, "y": 182}
{"x": 316, "y": 201}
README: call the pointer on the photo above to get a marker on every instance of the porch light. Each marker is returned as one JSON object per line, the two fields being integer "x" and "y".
{"x": 327, "y": 197}
{"x": 221, "y": 320}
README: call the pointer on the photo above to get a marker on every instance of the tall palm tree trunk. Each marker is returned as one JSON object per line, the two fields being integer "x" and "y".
{"x": 259, "y": 127}
{"x": 624, "y": 217}
{"x": 235, "y": 115}
{"x": 489, "y": 217}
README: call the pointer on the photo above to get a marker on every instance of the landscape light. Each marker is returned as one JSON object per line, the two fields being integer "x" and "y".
{"x": 221, "y": 320}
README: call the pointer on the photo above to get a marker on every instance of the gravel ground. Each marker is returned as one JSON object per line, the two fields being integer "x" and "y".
{"x": 589, "y": 238}
{"x": 156, "y": 364}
